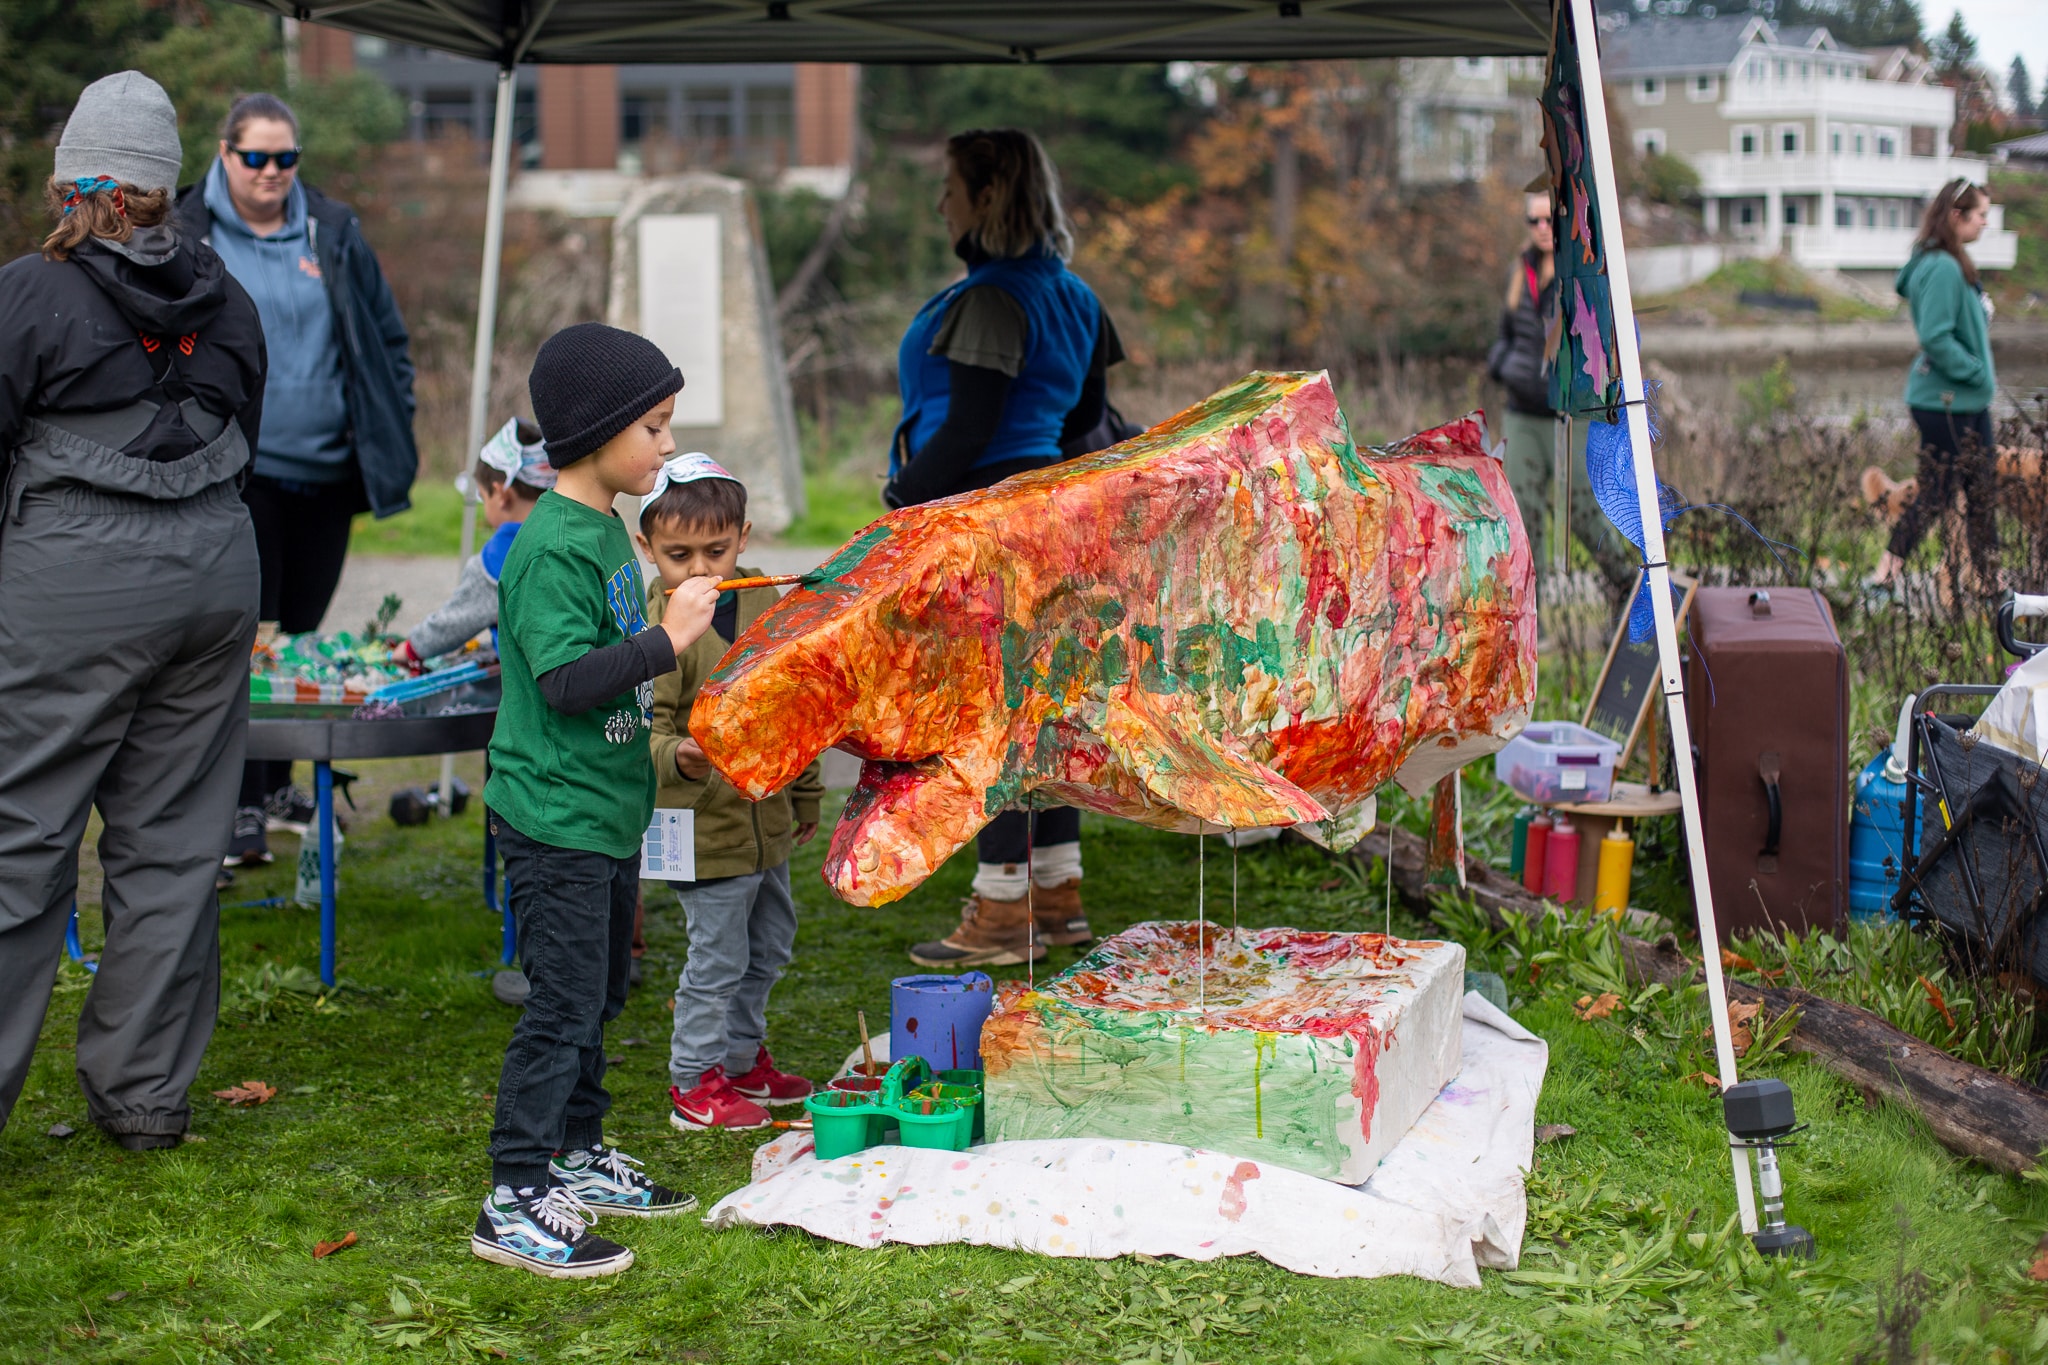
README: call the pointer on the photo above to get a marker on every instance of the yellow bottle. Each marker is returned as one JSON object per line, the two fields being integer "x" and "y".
{"x": 1617, "y": 861}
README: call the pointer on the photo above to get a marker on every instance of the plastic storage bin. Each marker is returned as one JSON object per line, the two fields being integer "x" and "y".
{"x": 1555, "y": 761}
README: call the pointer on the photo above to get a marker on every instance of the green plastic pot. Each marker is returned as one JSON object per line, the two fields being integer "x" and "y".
{"x": 842, "y": 1122}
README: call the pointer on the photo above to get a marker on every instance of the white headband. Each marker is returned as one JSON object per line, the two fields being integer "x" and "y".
{"x": 687, "y": 468}
{"x": 526, "y": 463}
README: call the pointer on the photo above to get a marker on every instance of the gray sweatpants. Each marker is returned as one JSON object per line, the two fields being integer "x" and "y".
{"x": 125, "y": 629}
{"x": 742, "y": 931}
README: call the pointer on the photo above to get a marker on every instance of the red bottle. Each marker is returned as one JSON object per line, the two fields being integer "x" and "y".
{"x": 1561, "y": 863}
{"x": 1535, "y": 853}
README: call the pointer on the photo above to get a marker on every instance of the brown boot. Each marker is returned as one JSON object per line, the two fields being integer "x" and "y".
{"x": 1057, "y": 909}
{"x": 993, "y": 933}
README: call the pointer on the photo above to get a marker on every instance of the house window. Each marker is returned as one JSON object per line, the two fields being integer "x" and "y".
{"x": 1781, "y": 71}
{"x": 1859, "y": 142}
{"x": 1870, "y": 215}
{"x": 1791, "y": 213}
{"x": 1806, "y": 71}
{"x": 1844, "y": 216}
{"x": 1920, "y": 140}
{"x": 1748, "y": 142}
{"x": 1887, "y": 144}
{"x": 1478, "y": 68}
{"x": 1891, "y": 216}
{"x": 1747, "y": 214}
{"x": 1651, "y": 141}
{"x": 1650, "y": 90}
{"x": 1788, "y": 140}
{"x": 1703, "y": 89}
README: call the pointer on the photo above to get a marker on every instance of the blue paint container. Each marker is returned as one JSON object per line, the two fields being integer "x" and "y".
{"x": 939, "y": 1018}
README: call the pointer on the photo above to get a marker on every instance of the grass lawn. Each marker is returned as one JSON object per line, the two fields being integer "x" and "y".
{"x": 384, "y": 1099}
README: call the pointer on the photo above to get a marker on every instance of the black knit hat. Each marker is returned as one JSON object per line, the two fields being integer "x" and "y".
{"x": 590, "y": 382}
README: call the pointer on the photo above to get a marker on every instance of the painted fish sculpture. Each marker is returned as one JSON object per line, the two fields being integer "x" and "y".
{"x": 1235, "y": 619}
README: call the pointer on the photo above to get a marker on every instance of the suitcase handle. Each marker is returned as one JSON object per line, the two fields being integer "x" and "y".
{"x": 1769, "y": 769}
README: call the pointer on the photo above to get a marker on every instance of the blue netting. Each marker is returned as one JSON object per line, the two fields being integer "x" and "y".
{"x": 1611, "y": 471}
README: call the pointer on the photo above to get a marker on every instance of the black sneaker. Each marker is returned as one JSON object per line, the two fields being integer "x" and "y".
{"x": 248, "y": 846}
{"x": 289, "y": 811}
{"x": 546, "y": 1232}
{"x": 609, "y": 1181}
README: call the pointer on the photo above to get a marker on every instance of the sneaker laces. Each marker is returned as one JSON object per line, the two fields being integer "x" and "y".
{"x": 562, "y": 1213}
{"x": 618, "y": 1165}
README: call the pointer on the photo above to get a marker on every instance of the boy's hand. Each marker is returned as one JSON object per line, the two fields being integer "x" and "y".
{"x": 806, "y": 832}
{"x": 690, "y": 760}
{"x": 688, "y": 613}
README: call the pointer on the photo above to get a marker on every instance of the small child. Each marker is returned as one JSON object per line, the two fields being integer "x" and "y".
{"x": 571, "y": 795}
{"x": 511, "y": 473}
{"x": 739, "y": 913}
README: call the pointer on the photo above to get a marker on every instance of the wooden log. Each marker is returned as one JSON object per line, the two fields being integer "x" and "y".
{"x": 1973, "y": 1112}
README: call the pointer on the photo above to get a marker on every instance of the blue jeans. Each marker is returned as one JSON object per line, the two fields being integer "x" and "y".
{"x": 574, "y": 911}
{"x": 742, "y": 931}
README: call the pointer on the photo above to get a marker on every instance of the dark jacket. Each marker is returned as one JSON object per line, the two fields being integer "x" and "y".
{"x": 1518, "y": 357}
{"x": 374, "y": 345}
{"x": 103, "y": 331}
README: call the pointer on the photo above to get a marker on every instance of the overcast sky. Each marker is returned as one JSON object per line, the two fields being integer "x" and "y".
{"x": 2005, "y": 29}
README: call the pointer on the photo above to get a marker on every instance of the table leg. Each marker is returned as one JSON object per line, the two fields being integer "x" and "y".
{"x": 323, "y": 793}
{"x": 73, "y": 946}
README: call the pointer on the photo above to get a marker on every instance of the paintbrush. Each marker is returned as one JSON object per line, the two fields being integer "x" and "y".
{"x": 801, "y": 1125}
{"x": 773, "y": 580}
{"x": 867, "y": 1054}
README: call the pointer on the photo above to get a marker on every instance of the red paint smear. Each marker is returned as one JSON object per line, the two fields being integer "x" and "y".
{"x": 1365, "y": 1078}
{"x": 1233, "y": 1205}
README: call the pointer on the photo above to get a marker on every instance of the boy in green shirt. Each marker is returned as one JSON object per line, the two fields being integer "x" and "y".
{"x": 571, "y": 795}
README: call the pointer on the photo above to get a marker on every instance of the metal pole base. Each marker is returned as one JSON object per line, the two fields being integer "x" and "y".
{"x": 1785, "y": 1240}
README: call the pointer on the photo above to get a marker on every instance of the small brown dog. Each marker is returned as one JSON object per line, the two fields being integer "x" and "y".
{"x": 2021, "y": 488}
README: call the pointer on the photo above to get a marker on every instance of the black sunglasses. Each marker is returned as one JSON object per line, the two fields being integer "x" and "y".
{"x": 1532, "y": 222}
{"x": 256, "y": 161}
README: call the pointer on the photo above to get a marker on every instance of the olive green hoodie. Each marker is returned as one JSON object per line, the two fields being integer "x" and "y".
{"x": 1953, "y": 371}
{"x": 735, "y": 836}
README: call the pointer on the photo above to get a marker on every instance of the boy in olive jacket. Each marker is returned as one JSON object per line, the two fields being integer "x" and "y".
{"x": 739, "y": 913}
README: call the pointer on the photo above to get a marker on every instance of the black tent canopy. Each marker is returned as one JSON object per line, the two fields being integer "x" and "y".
{"x": 874, "y": 31}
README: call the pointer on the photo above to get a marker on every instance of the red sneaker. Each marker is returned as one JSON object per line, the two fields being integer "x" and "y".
{"x": 765, "y": 1085}
{"x": 713, "y": 1103}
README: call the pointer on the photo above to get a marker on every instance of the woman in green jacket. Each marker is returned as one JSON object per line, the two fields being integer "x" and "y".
{"x": 1950, "y": 385}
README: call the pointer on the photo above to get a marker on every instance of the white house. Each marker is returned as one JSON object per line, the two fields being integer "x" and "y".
{"x": 1801, "y": 144}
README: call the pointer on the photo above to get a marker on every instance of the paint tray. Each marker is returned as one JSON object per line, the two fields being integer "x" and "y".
{"x": 925, "y": 1111}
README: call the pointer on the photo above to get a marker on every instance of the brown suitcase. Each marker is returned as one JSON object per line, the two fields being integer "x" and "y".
{"x": 1767, "y": 694}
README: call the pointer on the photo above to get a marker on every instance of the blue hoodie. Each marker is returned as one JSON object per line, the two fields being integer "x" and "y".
{"x": 304, "y": 436}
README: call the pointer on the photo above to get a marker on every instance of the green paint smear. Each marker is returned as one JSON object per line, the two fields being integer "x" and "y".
{"x": 849, "y": 557}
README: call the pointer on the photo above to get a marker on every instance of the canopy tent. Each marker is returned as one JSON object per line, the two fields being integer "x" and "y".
{"x": 510, "y": 32}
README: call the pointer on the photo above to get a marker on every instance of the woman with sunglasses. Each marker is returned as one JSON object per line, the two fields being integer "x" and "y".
{"x": 339, "y": 395}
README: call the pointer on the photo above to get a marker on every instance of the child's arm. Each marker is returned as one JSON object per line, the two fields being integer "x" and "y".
{"x": 601, "y": 674}
{"x": 673, "y": 698}
{"x": 469, "y": 611}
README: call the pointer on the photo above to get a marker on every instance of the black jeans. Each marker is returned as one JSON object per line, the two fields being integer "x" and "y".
{"x": 574, "y": 911}
{"x": 1958, "y": 454}
{"x": 1011, "y": 836}
{"x": 301, "y": 541}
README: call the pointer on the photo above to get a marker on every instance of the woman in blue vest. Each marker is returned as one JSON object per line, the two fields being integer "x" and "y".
{"x": 1002, "y": 372}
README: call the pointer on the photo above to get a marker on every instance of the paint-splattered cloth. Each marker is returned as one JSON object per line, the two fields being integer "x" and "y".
{"x": 1445, "y": 1202}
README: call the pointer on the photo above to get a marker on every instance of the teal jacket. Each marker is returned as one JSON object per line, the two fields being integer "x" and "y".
{"x": 1953, "y": 371}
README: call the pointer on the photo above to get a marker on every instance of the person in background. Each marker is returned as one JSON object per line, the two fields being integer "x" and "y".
{"x": 1004, "y": 371}
{"x": 738, "y": 911}
{"x": 340, "y": 393}
{"x": 131, "y": 391}
{"x": 1519, "y": 359}
{"x": 1949, "y": 386}
{"x": 511, "y": 473}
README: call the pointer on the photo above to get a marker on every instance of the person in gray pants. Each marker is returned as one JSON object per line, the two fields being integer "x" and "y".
{"x": 131, "y": 389}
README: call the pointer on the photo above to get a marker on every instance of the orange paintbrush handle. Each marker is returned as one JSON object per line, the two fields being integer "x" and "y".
{"x": 773, "y": 580}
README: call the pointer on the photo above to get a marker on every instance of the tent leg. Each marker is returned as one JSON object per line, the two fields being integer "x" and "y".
{"x": 1601, "y": 151}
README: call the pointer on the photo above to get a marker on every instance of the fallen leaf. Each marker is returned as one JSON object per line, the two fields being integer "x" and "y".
{"x": 1740, "y": 1012}
{"x": 1733, "y": 961}
{"x": 2039, "y": 1269}
{"x": 248, "y": 1092}
{"x": 60, "y": 1131}
{"x": 322, "y": 1250}
{"x": 1706, "y": 1078}
{"x": 1553, "y": 1132}
{"x": 1934, "y": 998}
{"x": 117, "y": 1296}
{"x": 1331, "y": 885}
{"x": 1590, "y": 1007}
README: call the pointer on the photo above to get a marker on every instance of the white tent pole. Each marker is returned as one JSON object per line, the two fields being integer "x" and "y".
{"x": 1601, "y": 151}
{"x": 486, "y": 333}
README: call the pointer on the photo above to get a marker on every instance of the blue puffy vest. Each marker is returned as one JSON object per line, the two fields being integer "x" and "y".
{"x": 1063, "y": 317}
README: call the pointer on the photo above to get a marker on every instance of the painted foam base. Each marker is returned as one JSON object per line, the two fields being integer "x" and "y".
{"x": 1312, "y": 1051}
{"x": 1447, "y": 1201}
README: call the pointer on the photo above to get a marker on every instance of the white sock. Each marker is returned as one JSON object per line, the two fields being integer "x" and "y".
{"x": 1056, "y": 864}
{"x": 1000, "y": 881}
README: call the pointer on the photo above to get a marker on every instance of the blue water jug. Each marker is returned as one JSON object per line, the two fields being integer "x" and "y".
{"x": 939, "y": 1018}
{"x": 1878, "y": 846}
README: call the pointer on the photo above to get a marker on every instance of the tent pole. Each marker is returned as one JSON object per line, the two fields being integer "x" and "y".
{"x": 1601, "y": 150}
{"x": 486, "y": 332}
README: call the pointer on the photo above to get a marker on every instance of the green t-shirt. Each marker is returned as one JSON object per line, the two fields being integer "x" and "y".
{"x": 571, "y": 584}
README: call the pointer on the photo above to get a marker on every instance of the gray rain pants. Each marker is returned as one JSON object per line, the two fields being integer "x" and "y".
{"x": 125, "y": 628}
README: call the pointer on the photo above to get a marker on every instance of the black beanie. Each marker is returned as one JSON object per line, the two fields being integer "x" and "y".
{"x": 590, "y": 382}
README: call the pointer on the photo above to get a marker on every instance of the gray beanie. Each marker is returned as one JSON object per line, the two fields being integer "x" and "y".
{"x": 124, "y": 128}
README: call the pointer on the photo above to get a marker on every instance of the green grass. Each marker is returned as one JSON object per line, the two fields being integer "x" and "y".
{"x": 433, "y": 525}
{"x": 204, "y": 1254}
{"x": 1717, "y": 295}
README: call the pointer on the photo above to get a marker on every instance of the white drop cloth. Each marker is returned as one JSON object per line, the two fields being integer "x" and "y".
{"x": 1446, "y": 1201}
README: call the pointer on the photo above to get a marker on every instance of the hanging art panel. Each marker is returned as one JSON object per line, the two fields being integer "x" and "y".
{"x": 1585, "y": 373}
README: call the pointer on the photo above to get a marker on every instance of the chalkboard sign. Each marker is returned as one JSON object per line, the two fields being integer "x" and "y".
{"x": 1629, "y": 679}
